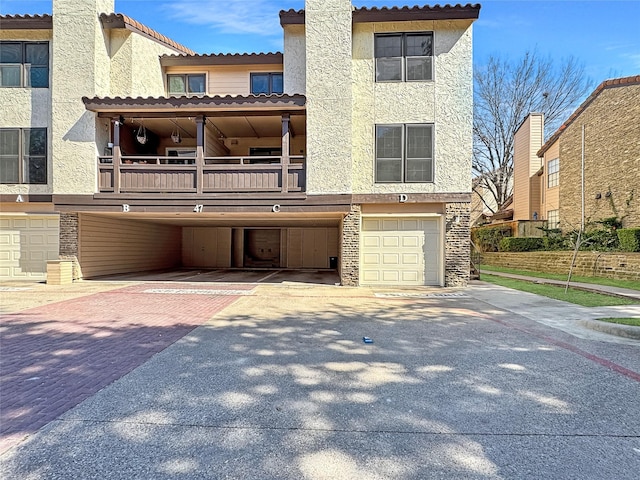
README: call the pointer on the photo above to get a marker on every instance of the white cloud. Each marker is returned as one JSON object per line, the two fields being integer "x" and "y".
{"x": 255, "y": 17}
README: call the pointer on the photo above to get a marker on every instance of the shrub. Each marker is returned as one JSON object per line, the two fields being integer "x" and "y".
{"x": 556, "y": 242}
{"x": 629, "y": 239}
{"x": 488, "y": 238}
{"x": 521, "y": 244}
{"x": 602, "y": 240}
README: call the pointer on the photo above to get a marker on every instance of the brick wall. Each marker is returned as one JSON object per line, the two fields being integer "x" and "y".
{"x": 612, "y": 160}
{"x": 624, "y": 266}
{"x": 457, "y": 245}
{"x": 350, "y": 248}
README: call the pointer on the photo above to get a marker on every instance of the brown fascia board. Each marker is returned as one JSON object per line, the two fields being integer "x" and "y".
{"x": 118, "y": 20}
{"x": 26, "y": 22}
{"x": 396, "y": 14}
{"x": 275, "y": 58}
{"x": 612, "y": 83}
{"x": 228, "y": 102}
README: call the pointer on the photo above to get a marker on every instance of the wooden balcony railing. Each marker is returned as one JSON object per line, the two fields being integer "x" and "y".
{"x": 157, "y": 174}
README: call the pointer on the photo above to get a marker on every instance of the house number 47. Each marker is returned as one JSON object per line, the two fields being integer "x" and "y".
{"x": 198, "y": 208}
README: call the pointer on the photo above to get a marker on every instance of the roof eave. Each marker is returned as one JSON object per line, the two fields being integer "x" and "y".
{"x": 26, "y": 22}
{"x": 223, "y": 59}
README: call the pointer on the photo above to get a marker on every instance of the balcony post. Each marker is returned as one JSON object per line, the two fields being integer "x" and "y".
{"x": 117, "y": 155}
{"x": 199, "y": 153}
{"x": 285, "y": 152}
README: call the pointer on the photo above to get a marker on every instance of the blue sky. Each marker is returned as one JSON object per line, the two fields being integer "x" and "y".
{"x": 604, "y": 35}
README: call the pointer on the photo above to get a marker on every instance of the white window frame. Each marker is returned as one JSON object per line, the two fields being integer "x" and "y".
{"x": 553, "y": 175}
{"x": 553, "y": 218}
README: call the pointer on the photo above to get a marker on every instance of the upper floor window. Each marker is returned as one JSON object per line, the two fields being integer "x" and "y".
{"x": 23, "y": 155}
{"x": 24, "y": 64}
{"x": 404, "y": 153}
{"x": 266, "y": 83}
{"x": 404, "y": 57}
{"x": 186, "y": 84}
{"x": 553, "y": 173}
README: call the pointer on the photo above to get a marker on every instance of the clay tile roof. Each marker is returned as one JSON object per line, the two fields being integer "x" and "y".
{"x": 118, "y": 20}
{"x": 26, "y": 22}
{"x": 395, "y": 14}
{"x": 611, "y": 83}
{"x": 271, "y": 58}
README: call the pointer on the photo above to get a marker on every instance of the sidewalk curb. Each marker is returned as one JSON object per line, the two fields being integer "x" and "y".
{"x": 627, "y": 331}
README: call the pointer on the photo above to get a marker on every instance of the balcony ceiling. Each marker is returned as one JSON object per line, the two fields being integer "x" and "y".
{"x": 229, "y": 127}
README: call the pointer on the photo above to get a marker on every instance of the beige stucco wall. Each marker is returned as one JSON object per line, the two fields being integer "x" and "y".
{"x": 295, "y": 65}
{"x": 447, "y": 102}
{"x": 328, "y": 91}
{"x": 27, "y": 108}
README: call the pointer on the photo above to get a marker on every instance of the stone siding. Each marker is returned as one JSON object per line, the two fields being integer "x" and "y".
{"x": 69, "y": 240}
{"x": 350, "y": 248}
{"x": 623, "y": 266}
{"x": 612, "y": 160}
{"x": 457, "y": 245}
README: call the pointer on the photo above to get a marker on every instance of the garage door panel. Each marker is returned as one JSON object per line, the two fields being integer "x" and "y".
{"x": 390, "y": 241}
{"x": 400, "y": 251}
{"x": 28, "y": 241}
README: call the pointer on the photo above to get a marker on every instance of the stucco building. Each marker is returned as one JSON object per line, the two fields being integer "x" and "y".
{"x": 351, "y": 150}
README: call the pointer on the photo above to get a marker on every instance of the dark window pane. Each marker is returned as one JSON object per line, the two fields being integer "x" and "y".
{"x": 388, "y": 46}
{"x": 419, "y": 68}
{"x": 36, "y": 170}
{"x": 419, "y": 170}
{"x": 176, "y": 84}
{"x": 389, "y": 141}
{"x": 418, "y": 45}
{"x": 388, "y": 69}
{"x": 36, "y": 53}
{"x": 35, "y": 141}
{"x": 10, "y": 52}
{"x": 37, "y": 77}
{"x": 10, "y": 76}
{"x": 259, "y": 83}
{"x": 9, "y": 169}
{"x": 388, "y": 170}
{"x": 9, "y": 142}
{"x": 277, "y": 84}
{"x": 419, "y": 141}
{"x": 196, "y": 83}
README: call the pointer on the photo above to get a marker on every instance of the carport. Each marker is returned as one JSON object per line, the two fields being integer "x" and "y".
{"x": 111, "y": 243}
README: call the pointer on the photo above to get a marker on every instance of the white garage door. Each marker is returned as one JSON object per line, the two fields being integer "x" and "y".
{"x": 27, "y": 242}
{"x": 400, "y": 251}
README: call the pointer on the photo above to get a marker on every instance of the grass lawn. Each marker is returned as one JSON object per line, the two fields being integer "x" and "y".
{"x": 612, "y": 282}
{"x": 635, "y": 322}
{"x": 579, "y": 297}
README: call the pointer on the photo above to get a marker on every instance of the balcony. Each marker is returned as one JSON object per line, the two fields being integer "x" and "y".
{"x": 162, "y": 174}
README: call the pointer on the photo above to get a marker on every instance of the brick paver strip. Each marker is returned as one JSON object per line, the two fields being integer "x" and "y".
{"x": 54, "y": 356}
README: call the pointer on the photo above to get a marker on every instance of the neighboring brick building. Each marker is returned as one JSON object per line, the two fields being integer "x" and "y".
{"x": 610, "y": 119}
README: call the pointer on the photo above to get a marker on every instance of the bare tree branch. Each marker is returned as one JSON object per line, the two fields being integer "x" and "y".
{"x": 505, "y": 92}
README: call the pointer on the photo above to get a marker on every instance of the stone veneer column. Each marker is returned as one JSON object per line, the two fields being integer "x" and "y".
{"x": 328, "y": 46}
{"x": 457, "y": 245}
{"x": 350, "y": 248}
{"x": 69, "y": 238}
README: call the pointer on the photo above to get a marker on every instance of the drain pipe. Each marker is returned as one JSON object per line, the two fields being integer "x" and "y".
{"x": 582, "y": 181}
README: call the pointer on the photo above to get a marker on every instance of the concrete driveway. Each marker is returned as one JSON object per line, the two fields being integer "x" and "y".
{"x": 279, "y": 384}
